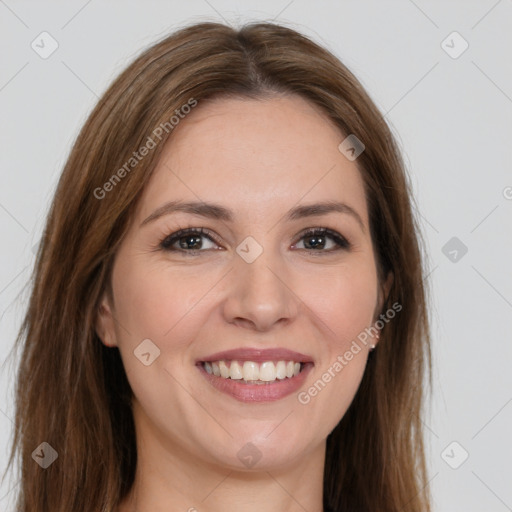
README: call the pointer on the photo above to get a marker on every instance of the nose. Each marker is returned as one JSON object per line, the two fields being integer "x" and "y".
{"x": 260, "y": 294}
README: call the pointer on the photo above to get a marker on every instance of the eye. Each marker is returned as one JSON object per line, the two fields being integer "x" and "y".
{"x": 190, "y": 240}
{"x": 316, "y": 240}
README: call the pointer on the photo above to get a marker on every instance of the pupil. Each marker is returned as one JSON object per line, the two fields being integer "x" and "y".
{"x": 315, "y": 239}
{"x": 188, "y": 238}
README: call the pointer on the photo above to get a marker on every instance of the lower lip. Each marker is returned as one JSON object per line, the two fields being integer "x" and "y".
{"x": 268, "y": 392}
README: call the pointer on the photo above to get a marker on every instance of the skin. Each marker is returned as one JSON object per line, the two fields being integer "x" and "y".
{"x": 258, "y": 158}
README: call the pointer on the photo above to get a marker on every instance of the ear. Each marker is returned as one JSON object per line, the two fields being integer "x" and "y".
{"x": 105, "y": 322}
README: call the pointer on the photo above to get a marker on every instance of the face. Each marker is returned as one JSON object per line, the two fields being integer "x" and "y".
{"x": 253, "y": 284}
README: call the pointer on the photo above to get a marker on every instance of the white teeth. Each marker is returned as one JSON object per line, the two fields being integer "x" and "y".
{"x": 235, "y": 371}
{"x": 281, "y": 370}
{"x": 250, "y": 371}
{"x": 224, "y": 370}
{"x": 267, "y": 371}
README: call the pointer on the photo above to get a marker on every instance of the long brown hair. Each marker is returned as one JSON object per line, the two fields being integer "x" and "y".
{"x": 72, "y": 391}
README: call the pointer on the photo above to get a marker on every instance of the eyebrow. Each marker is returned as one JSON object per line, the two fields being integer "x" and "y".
{"x": 218, "y": 212}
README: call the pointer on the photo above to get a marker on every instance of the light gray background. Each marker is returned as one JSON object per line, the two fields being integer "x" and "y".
{"x": 452, "y": 118}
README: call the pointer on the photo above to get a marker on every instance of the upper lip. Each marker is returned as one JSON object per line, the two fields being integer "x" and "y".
{"x": 258, "y": 355}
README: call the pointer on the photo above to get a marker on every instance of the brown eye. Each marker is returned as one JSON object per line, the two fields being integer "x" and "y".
{"x": 316, "y": 240}
{"x": 188, "y": 240}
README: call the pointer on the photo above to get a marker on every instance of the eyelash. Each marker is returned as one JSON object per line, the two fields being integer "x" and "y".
{"x": 167, "y": 243}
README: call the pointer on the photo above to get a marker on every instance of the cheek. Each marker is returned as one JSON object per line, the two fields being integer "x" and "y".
{"x": 155, "y": 304}
{"x": 349, "y": 306}
{"x": 344, "y": 300}
{"x": 154, "y": 299}
{"x": 345, "y": 308}
{"x": 168, "y": 307}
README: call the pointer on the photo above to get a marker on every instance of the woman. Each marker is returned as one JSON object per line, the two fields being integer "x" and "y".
{"x": 228, "y": 307}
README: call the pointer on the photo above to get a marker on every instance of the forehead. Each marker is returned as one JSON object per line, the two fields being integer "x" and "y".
{"x": 254, "y": 156}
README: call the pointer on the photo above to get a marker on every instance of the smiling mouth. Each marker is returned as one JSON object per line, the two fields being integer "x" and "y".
{"x": 251, "y": 372}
